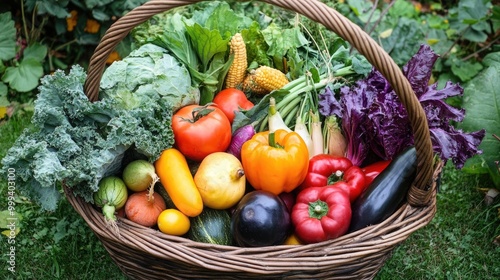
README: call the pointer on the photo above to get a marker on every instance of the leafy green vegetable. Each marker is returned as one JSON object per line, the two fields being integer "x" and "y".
{"x": 199, "y": 39}
{"x": 7, "y": 37}
{"x": 75, "y": 141}
{"x": 482, "y": 103}
{"x": 199, "y": 42}
{"x": 146, "y": 72}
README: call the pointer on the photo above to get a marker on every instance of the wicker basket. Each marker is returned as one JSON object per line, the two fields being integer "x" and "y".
{"x": 145, "y": 253}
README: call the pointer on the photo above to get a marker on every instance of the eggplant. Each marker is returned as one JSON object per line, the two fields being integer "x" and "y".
{"x": 387, "y": 191}
{"x": 260, "y": 219}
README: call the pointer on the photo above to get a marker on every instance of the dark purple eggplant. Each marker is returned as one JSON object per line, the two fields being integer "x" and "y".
{"x": 260, "y": 219}
{"x": 387, "y": 191}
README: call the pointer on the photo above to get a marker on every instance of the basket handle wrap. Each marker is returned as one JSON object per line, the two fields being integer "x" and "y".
{"x": 420, "y": 193}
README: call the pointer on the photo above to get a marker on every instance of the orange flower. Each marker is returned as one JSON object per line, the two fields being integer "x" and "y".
{"x": 92, "y": 26}
{"x": 71, "y": 20}
{"x": 114, "y": 56}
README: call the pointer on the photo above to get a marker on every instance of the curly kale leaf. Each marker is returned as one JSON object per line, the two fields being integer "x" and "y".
{"x": 78, "y": 142}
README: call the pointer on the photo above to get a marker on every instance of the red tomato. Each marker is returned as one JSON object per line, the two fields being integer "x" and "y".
{"x": 230, "y": 100}
{"x": 200, "y": 131}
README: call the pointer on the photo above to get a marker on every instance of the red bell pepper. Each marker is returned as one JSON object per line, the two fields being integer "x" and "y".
{"x": 321, "y": 213}
{"x": 371, "y": 171}
{"x": 326, "y": 170}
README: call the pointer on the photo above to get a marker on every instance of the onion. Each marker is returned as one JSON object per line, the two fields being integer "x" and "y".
{"x": 301, "y": 129}
{"x": 316, "y": 135}
{"x": 144, "y": 207}
{"x": 240, "y": 136}
{"x": 139, "y": 175}
{"x": 275, "y": 121}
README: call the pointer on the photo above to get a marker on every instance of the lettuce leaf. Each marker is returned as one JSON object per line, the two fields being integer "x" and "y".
{"x": 78, "y": 142}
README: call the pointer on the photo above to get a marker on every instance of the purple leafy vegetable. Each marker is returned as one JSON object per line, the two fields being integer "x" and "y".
{"x": 375, "y": 121}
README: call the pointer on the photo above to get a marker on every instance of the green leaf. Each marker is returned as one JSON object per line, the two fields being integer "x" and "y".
{"x": 7, "y": 215}
{"x": 24, "y": 77}
{"x": 362, "y": 10}
{"x": 257, "y": 50}
{"x": 96, "y": 3}
{"x": 465, "y": 70}
{"x": 495, "y": 17}
{"x": 10, "y": 220}
{"x": 437, "y": 22}
{"x": 36, "y": 51}
{"x": 360, "y": 65}
{"x": 402, "y": 8}
{"x": 482, "y": 104}
{"x": 231, "y": 23}
{"x": 7, "y": 37}
{"x": 3, "y": 95}
{"x": 472, "y": 11}
{"x": 8, "y": 231}
{"x": 56, "y": 8}
{"x": 404, "y": 41}
{"x": 207, "y": 43}
{"x": 281, "y": 40}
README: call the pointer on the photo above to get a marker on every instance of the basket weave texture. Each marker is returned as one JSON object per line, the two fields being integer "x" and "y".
{"x": 145, "y": 253}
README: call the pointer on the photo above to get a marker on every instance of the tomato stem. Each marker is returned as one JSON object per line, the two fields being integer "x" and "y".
{"x": 199, "y": 112}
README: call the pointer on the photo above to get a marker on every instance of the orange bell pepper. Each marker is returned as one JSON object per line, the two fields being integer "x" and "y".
{"x": 275, "y": 162}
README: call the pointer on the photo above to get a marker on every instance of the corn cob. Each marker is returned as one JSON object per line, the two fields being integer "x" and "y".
{"x": 270, "y": 78}
{"x": 238, "y": 67}
{"x": 250, "y": 86}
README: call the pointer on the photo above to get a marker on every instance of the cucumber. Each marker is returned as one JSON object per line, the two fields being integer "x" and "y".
{"x": 211, "y": 226}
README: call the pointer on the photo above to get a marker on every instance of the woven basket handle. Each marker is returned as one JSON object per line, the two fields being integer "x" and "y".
{"x": 420, "y": 193}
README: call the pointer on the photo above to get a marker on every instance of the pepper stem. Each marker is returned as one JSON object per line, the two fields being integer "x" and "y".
{"x": 318, "y": 209}
{"x": 272, "y": 141}
{"x": 335, "y": 177}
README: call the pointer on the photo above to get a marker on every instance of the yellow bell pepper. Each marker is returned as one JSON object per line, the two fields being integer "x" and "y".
{"x": 275, "y": 162}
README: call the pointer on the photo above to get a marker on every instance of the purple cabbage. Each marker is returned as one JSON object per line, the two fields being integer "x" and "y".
{"x": 375, "y": 122}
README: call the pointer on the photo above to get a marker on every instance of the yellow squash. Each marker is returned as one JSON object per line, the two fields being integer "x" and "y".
{"x": 176, "y": 178}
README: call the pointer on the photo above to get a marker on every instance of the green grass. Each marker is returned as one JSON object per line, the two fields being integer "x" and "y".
{"x": 457, "y": 244}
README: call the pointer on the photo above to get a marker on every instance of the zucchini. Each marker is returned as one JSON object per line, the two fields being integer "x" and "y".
{"x": 387, "y": 191}
{"x": 211, "y": 226}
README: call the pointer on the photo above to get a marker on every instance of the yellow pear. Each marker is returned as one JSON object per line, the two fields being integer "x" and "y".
{"x": 220, "y": 180}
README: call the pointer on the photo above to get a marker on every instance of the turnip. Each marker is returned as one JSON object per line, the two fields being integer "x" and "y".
{"x": 139, "y": 175}
{"x": 111, "y": 196}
